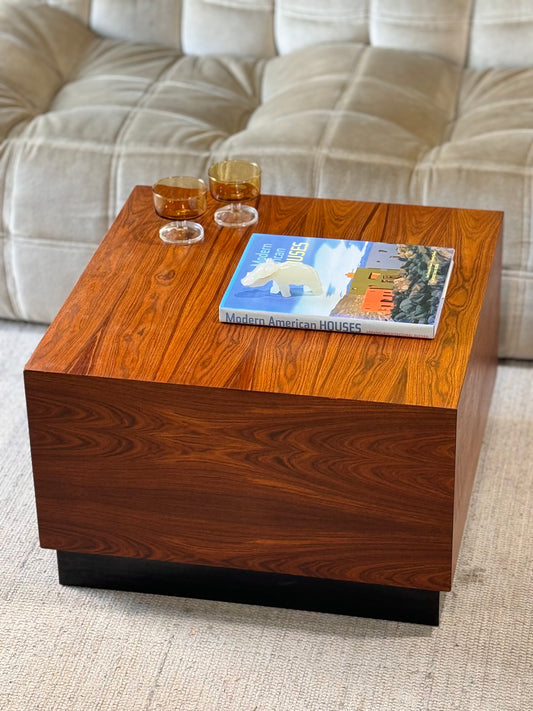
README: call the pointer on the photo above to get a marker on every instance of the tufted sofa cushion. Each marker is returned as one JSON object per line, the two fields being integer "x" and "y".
{"x": 84, "y": 117}
{"x": 476, "y": 33}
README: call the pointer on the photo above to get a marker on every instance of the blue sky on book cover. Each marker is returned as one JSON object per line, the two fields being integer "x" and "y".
{"x": 336, "y": 262}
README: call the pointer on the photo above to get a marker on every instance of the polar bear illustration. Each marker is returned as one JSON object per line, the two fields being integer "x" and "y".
{"x": 282, "y": 274}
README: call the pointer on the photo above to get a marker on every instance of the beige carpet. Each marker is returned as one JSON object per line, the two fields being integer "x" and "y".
{"x": 74, "y": 649}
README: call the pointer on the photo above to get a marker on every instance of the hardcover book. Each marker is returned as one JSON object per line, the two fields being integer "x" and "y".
{"x": 328, "y": 284}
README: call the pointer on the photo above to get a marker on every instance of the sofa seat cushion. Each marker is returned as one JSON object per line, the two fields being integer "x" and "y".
{"x": 111, "y": 114}
{"x": 487, "y": 163}
{"x": 84, "y": 119}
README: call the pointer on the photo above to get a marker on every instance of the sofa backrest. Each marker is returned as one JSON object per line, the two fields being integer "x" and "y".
{"x": 476, "y": 33}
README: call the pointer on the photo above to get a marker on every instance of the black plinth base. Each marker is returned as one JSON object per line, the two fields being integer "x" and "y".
{"x": 250, "y": 587}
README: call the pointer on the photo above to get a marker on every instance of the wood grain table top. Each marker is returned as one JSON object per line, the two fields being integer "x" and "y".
{"x": 148, "y": 311}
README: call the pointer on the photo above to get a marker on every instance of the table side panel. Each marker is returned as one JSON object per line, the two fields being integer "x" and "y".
{"x": 295, "y": 485}
{"x": 474, "y": 404}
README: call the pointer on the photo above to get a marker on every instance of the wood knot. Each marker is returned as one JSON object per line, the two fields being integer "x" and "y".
{"x": 165, "y": 277}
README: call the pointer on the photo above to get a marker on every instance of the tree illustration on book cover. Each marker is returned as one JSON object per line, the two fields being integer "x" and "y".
{"x": 409, "y": 290}
{"x": 339, "y": 285}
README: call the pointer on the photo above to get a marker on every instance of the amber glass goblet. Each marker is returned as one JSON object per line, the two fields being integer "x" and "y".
{"x": 179, "y": 198}
{"x": 233, "y": 182}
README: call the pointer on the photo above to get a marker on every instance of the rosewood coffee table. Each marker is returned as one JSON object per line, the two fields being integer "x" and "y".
{"x": 323, "y": 471}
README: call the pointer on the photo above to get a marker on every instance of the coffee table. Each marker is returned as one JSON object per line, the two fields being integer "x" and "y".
{"x": 324, "y": 471}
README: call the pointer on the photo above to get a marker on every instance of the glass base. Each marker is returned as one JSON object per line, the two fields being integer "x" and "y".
{"x": 182, "y": 232}
{"x": 236, "y": 216}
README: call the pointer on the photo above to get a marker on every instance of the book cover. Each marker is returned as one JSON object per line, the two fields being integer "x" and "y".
{"x": 328, "y": 284}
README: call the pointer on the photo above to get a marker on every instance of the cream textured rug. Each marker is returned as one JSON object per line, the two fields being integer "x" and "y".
{"x": 75, "y": 649}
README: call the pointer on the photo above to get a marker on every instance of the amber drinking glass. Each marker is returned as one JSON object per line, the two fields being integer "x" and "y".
{"x": 235, "y": 181}
{"x": 179, "y": 198}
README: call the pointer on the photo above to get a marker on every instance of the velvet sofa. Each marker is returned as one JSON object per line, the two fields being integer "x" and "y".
{"x": 419, "y": 101}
